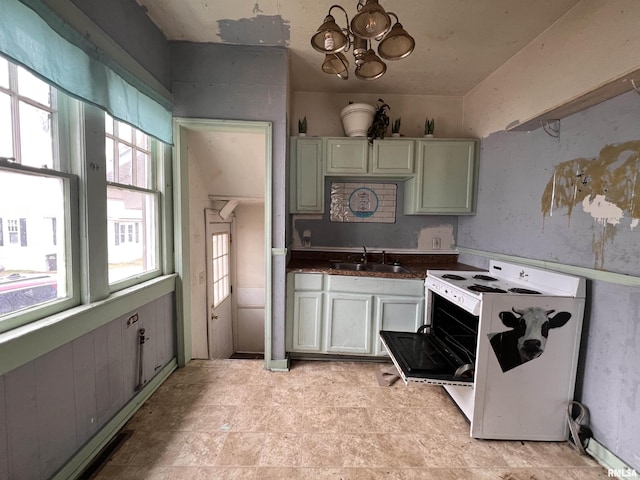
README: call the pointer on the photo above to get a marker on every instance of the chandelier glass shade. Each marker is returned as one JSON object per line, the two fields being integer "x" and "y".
{"x": 336, "y": 64}
{"x": 370, "y": 23}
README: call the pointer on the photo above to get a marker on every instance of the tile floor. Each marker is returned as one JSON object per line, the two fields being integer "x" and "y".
{"x": 231, "y": 419}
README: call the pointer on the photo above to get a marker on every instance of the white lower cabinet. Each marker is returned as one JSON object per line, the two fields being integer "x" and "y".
{"x": 342, "y": 315}
{"x": 348, "y": 323}
{"x": 307, "y": 329}
{"x": 399, "y": 314}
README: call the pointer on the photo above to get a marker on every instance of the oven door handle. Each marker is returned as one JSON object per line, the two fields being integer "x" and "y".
{"x": 464, "y": 370}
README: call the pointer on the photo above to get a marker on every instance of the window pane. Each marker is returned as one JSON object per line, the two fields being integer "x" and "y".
{"x": 143, "y": 170}
{"x": 142, "y": 140}
{"x": 35, "y": 136}
{"x": 33, "y": 253}
{"x": 32, "y": 87}
{"x": 108, "y": 150}
{"x": 124, "y": 165}
{"x": 4, "y": 73}
{"x": 126, "y": 208}
{"x": 108, "y": 123}
{"x": 6, "y": 138}
{"x": 125, "y": 132}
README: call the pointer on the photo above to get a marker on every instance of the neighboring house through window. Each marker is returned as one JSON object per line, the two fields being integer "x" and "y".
{"x": 34, "y": 194}
{"x": 132, "y": 202}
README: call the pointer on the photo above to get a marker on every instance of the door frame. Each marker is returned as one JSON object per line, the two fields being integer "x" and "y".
{"x": 181, "y": 233}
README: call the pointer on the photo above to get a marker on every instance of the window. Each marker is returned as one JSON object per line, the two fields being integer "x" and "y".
{"x": 220, "y": 267}
{"x": 12, "y": 228}
{"x": 45, "y": 159}
{"x": 27, "y": 109}
{"x": 35, "y": 195}
{"x": 132, "y": 202}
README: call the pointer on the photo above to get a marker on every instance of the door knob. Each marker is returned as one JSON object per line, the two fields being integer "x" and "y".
{"x": 214, "y": 317}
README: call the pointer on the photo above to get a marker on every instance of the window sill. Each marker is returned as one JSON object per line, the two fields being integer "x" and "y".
{"x": 25, "y": 343}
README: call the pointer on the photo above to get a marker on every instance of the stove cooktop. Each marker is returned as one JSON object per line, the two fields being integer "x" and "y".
{"x": 510, "y": 279}
{"x": 485, "y": 283}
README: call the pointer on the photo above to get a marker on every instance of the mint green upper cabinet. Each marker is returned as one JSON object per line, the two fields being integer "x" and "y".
{"x": 307, "y": 189}
{"x": 347, "y": 156}
{"x": 445, "y": 178}
{"x": 355, "y": 156}
{"x": 392, "y": 157}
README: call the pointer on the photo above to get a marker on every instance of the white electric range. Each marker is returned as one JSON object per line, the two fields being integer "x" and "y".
{"x": 504, "y": 343}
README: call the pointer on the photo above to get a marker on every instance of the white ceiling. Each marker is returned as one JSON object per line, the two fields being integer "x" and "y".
{"x": 458, "y": 42}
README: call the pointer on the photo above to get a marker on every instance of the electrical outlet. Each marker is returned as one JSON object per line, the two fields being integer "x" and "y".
{"x": 436, "y": 244}
{"x": 132, "y": 319}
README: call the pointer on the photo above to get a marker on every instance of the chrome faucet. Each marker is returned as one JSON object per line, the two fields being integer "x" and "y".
{"x": 364, "y": 255}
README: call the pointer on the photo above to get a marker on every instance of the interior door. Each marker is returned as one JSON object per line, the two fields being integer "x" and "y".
{"x": 220, "y": 321}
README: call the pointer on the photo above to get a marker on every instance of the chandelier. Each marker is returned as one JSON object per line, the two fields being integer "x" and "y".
{"x": 370, "y": 23}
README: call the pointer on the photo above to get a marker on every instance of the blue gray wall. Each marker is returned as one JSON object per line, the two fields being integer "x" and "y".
{"x": 128, "y": 25}
{"x": 515, "y": 169}
{"x": 403, "y": 234}
{"x": 54, "y": 404}
{"x": 231, "y": 82}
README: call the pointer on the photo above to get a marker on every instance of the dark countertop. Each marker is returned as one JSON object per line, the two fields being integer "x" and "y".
{"x": 320, "y": 262}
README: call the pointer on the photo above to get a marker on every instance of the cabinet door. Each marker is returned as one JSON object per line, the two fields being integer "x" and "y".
{"x": 306, "y": 176}
{"x": 392, "y": 157}
{"x": 307, "y": 321}
{"x": 348, "y": 323}
{"x": 398, "y": 314}
{"x": 445, "y": 178}
{"x": 347, "y": 156}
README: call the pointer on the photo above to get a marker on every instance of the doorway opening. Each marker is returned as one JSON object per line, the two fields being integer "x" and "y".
{"x": 224, "y": 256}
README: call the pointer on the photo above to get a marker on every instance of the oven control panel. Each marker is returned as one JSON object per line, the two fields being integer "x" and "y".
{"x": 460, "y": 297}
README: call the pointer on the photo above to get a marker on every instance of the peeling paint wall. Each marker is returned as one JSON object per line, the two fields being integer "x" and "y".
{"x": 607, "y": 188}
{"x": 573, "y": 201}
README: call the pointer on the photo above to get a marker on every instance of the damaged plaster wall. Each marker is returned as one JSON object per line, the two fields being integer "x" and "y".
{"x": 573, "y": 201}
{"x": 587, "y": 215}
{"x": 409, "y": 232}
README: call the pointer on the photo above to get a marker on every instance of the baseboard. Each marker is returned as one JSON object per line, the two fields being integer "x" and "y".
{"x": 615, "y": 467}
{"x": 83, "y": 457}
{"x": 279, "y": 365}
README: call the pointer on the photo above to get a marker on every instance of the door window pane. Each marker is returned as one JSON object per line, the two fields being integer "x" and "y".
{"x": 220, "y": 285}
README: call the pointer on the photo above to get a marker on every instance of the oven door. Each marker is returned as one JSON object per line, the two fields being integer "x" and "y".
{"x": 423, "y": 358}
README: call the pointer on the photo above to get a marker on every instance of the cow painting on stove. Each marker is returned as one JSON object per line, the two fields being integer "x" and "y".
{"x": 528, "y": 335}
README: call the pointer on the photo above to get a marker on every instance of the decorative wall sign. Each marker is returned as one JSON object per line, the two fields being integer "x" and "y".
{"x": 363, "y": 202}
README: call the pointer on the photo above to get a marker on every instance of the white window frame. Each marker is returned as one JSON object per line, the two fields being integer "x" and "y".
{"x": 72, "y": 253}
{"x": 155, "y": 153}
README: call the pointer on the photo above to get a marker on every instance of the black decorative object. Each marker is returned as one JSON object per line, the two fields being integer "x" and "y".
{"x": 380, "y": 122}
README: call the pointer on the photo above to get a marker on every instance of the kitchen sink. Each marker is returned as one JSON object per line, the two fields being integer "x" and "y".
{"x": 348, "y": 266}
{"x": 383, "y": 267}
{"x": 370, "y": 267}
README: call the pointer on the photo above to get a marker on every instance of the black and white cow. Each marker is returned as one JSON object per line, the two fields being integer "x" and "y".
{"x": 528, "y": 337}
